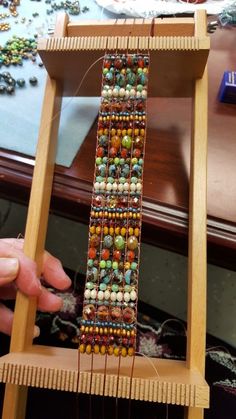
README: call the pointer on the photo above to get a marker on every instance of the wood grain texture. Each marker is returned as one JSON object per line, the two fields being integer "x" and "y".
{"x": 154, "y": 380}
{"x": 36, "y": 228}
{"x": 166, "y": 179}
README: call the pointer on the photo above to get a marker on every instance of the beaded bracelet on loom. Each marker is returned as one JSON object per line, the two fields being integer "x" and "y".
{"x": 110, "y": 297}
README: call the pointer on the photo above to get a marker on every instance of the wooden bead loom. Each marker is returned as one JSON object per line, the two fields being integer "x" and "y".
{"x": 178, "y": 49}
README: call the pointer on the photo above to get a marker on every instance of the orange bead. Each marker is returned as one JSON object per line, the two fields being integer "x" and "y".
{"x": 123, "y": 231}
{"x": 105, "y": 230}
{"x": 103, "y": 350}
{"x": 88, "y": 349}
{"x": 82, "y": 348}
{"x": 116, "y": 351}
{"x": 123, "y": 352}
{"x": 131, "y": 351}
{"x": 96, "y": 349}
{"x": 136, "y": 232}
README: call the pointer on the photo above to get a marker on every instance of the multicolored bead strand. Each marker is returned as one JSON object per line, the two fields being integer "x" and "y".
{"x": 111, "y": 289}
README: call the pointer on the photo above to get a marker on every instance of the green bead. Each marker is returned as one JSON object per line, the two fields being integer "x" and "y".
{"x": 90, "y": 285}
{"x": 127, "y": 141}
{"x": 139, "y": 87}
{"x": 108, "y": 264}
{"x": 134, "y": 179}
{"x": 114, "y": 265}
{"x": 127, "y": 288}
{"x": 105, "y": 71}
{"x": 98, "y": 160}
{"x": 133, "y": 266}
{"x": 116, "y": 160}
{"x": 115, "y": 287}
{"x": 122, "y": 180}
{"x": 134, "y": 160}
{"x": 119, "y": 242}
{"x": 102, "y": 264}
{"x": 90, "y": 263}
{"x": 103, "y": 287}
{"x": 110, "y": 179}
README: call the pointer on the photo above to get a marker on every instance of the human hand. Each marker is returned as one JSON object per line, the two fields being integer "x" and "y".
{"x": 19, "y": 272}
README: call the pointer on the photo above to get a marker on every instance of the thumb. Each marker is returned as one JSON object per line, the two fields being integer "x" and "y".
{"x": 9, "y": 268}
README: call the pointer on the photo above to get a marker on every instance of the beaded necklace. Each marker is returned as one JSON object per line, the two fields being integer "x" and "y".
{"x": 111, "y": 289}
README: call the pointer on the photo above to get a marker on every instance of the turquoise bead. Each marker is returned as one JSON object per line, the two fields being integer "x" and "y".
{"x": 90, "y": 263}
{"x": 103, "y": 287}
{"x": 133, "y": 266}
{"x": 119, "y": 242}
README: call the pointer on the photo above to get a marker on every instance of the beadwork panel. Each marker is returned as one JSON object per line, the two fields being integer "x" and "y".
{"x": 111, "y": 289}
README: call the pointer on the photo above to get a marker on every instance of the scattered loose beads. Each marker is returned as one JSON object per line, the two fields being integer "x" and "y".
{"x": 111, "y": 290}
{"x": 18, "y": 49}
{"x": 10, "y": 83}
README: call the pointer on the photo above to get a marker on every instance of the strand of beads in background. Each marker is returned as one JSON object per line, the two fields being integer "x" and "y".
{"x": 111, "y": 288}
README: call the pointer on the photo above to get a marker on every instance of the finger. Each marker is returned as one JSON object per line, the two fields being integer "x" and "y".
{"x": 6, "y": 318}
{"x": 53, "y": 272}
{"x": 26, "y": 280}
{"x": 48, "y": 301}
{"x": 9, "y": 268}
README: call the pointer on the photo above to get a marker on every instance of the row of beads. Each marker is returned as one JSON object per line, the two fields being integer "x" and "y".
{"x": 110, "y": 296}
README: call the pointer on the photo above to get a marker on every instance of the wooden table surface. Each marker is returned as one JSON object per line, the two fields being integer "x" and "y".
{"x": 165, "y": 208}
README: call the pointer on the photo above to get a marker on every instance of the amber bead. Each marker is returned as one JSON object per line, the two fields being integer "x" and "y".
{"x": 103, "y": 350}
{"x": 96, "y": 349}
{"x": 82, "y": 348}
{"x": 94, "y": 240}
{"x": 88, "y": 349}
{"x": 116, "y": 141}
{"x": 117, "y": 351}
{"x": 123, "y": 352}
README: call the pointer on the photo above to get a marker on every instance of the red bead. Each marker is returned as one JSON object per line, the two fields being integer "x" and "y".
{"x": 137, "y": 153}
{"x": 118, "y": 63}
{"x": 105, "y": 254}
{"x": 92, "y": 253}
{"x": 130, "y": 255}
{"x": 124, "y": 153}
{"x": 117, "y": 255}
{"x": 100, "y": 151}
{"x": 113, "y": 152}
{"x": 141, "y": 62}
{"x": 107, "y": 64}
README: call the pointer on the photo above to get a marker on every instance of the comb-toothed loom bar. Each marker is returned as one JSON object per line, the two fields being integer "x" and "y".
{"x": 67, "y": 59}
{"x": 56, "y": 368}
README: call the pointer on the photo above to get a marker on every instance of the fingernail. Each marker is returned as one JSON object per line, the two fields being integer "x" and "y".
{"x": 9, "y": 268}
{"x": 36, "y": 331}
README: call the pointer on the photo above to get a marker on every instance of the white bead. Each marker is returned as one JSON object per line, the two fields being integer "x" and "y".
{"x": 109, "y": 186}
{"x": 93, "y": 294}
{"x": 132, "y": 92}
{"x": 127, "y": 94}
{"x": 96, "y": 186}
{"x": 87, "y": 294}
{"x": 126, "y": 186}
{"x": 114, "y": 186}
{"x": 133, "y": 295}
{"x": 119, "y": 296}
{"x": 106, "y": 87}
{"x": 104, "y": 93}
{"x": 138, "y": 186}
{"x": 144, "y": 94}
{"x": 100, "y": 295}
{"x": 126, "y": 297}
{"x": 133, "y": 187}
{"x": 121, "y": 187}
{"x": 107, "y": 295}
{"x": 113, "y": 296}
{"x": 109, "y": 93}
{"x": 115, "y": 92}
{"x": 122, "y": 92}
{"x": 102, "y": 185}
{"x": 138, "y": 95}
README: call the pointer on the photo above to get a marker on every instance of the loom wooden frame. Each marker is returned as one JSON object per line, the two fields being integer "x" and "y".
{"x": 179, "y": 49}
